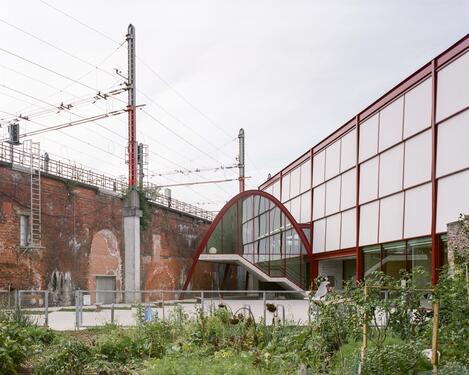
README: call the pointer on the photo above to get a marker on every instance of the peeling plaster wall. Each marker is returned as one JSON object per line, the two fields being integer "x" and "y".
{"x": 82, "y": 236}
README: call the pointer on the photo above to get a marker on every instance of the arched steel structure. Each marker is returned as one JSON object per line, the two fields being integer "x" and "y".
{"x": 277, "y": 237}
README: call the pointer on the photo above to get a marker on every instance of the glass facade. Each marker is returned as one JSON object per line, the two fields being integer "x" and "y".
{"x": 258, "y": 230}
{"x": 395, "y": 257}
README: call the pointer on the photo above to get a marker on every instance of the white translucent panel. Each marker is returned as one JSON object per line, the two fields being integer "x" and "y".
{"x": 369, "y": 180}
{"x": 348, "y": 229}
{"x": 295, "y": 182}
{"x": 332, "y": 160}
{"x": 295, "y": 208}
{"x": 318, "y": 167}
{"x": 391, "y": 164}
{"x": 305, "y": 176}
{"x": 333, "y": 195}
{"x": 286, "y": 187}
{"x": 333, "y": 232}
{"x": 391, "y": 216}
{"x": 276, "y": 189}
{"x": 369, "y": 223}
{"x": 453, "y": 149}
{"x": 319, "y": 201}
{"x": 348, "y": 153}
{"x": 390, "y": 124}
{"x": 418, "y": 108}
{"x": 418, "y": 211}
{"x": 305, "y": 207}
{"x": 453, "y": 199}
{"x": 418, "y": 159}
{"x": 453, "y": 88}
{"x": 348, "y": 189}
{"x": 319, "y": 235}
{"x": 368, "y": 138}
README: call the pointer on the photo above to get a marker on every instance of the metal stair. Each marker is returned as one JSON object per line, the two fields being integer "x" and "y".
{"x": 35, "y": 171}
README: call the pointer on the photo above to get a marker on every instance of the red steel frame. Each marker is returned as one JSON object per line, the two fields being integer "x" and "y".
{"x": 224, "y": 210}
{"x": 429, "y": 70}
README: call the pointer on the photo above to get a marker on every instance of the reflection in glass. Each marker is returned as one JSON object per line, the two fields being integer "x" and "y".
{"x": 371, "y": 259}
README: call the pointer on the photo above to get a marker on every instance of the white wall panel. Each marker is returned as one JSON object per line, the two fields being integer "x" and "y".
{"x": 295, "y": 208}
{"x": 369, "y": 180}
{"x": 391, "y": 216}
{"x": 390, "y": 124}
{"x": 453, "y": 87}
{"x": 333, "y": 195}
{"x": 391, "y": 166}
{"x": 305, "y": 207}
{"x": 286, "y": 187}
{"x": 453, "y": 149}
{"x": 369, "y": 223}
{"x": 348, "y": 150}
{"x": 349, "y": 188}
{"x": 305, "y": 176}
{"x": 368, "y": 138}
{"x": 319, "y": 236}
{"x": 332, "y": 160}
{"x": 418, "y": 108}
{"x": 295, "y": 182}
{"x": 319, "y": 201}
{"x": 453, "y": 199}
{"x": 318, "y": 167}
{"x": 418, "y": 159}
{"x": 276, "y": 189}
{"x": 348, "y": 229}
{"x": 418, "y": 211}
{"x": 333, "y": 232}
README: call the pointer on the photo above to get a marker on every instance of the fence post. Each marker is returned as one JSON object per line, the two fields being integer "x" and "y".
{"x": 365, "y": 335}
{"x": 436, "y": 315}
{"x": 202, "y": 301}
{"x": 112, "y": 313}
{"x": 162, "y": 304}
{"x": 18, "y": 300}
{"x": 46, "y": 306}
{"x": 265, "y": 312}
{"x": 77, "y": 309}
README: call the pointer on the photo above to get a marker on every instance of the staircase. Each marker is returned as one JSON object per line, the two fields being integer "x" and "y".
{"x": 259, "y": 273}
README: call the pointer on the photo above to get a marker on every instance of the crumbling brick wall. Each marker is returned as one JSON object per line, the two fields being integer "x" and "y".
{"x": 72, "y": 214}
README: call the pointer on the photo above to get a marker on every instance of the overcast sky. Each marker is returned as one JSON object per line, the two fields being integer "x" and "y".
{"x": 288, "y": 72}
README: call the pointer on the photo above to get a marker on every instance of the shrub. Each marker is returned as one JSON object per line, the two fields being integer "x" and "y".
{"x": 66, "y": 357}
{"x": 14, "y": 346}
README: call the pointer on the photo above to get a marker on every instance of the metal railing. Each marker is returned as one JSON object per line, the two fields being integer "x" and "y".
{"x": 92, "y": 308}
{"x": 87, "y": 176}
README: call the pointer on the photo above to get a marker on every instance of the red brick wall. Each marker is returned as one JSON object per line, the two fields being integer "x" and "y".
{"x": 71, "y": 216}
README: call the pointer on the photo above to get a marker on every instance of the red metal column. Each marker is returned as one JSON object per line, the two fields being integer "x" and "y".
{"x": 435, "y": 245}
{"x": 358, "y": 252}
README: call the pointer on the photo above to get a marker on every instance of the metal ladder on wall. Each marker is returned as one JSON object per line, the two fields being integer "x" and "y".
{"x": 35, "y": 171}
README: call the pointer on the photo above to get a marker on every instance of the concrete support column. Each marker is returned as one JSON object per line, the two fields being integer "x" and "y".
{"x": 132, "y": 215}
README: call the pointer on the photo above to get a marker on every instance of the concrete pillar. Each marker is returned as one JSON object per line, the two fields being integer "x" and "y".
{"x": 132, "y": 215}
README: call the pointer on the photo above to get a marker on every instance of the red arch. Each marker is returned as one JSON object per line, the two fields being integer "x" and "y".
{"x": 226, "y": 207}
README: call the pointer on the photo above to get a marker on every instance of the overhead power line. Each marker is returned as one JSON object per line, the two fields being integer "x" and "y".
{"x": 201, "y": 182}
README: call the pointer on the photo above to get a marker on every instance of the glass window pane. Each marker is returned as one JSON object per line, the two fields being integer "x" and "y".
{"x": 394, "y": 259}
{"x": 371, "y": 259}
{"x": 420, "y": 253}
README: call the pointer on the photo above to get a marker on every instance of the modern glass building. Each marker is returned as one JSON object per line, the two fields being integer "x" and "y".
{"x": 376, "y": 194}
